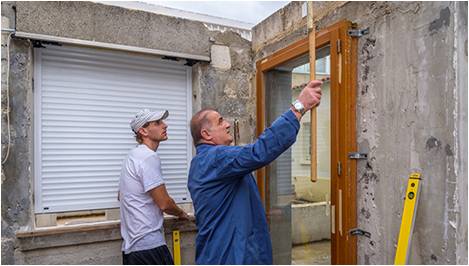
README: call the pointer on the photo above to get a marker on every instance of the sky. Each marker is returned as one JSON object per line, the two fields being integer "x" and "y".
{"x": 245, "y": 11}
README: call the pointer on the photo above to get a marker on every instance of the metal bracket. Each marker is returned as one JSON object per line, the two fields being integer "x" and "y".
{"x": 358, "y": 33}
{"x": 359, "y": 232}
{"x": 40, "y": 44}
{"x": 190, "y": 62}
{"x": 357, "y": 156}
{"x": 170, "y": 58}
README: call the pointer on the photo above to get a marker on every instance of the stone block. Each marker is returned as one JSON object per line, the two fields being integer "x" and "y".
{"x": 220, "y": 57}
{"x": 44, "y": 220}
{"x": 310, "y": 222}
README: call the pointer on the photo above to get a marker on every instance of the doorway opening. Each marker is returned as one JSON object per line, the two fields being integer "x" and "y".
{"x": 309, "y": 221}
{"x": 291, "y": 191}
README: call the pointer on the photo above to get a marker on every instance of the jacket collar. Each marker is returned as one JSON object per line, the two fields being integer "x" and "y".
{"x": 203, "y": 147}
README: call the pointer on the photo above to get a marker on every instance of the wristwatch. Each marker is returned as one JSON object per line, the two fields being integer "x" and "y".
{"x": 298, "y": 106}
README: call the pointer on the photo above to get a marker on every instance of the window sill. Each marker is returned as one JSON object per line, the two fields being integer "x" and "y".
{"x": 77, "y": 234}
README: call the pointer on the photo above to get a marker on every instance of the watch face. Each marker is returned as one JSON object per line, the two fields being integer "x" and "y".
{"x": 298, "y": 106}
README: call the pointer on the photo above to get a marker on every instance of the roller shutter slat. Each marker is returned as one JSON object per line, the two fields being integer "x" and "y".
{"x": 87, "y": 98}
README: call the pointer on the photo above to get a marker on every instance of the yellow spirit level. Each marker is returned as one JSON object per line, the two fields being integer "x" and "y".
{"x": 176, "y": 247}
{"x": 408, "y": 218}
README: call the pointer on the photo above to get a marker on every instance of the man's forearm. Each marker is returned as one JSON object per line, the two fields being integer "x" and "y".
{"x": 174, "y": 209}
{"x": 270, "y": 144}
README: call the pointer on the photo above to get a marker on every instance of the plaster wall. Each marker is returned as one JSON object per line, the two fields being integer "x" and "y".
{"x": 224, "y": 84}
{"x": 111, "y": 24}
{"x": 411, "y": 115}
{"x": 411, "y": 108}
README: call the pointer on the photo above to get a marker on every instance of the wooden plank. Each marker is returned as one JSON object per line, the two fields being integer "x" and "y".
{"x": 334, "y": 88}
{"x": 68, "y": 229}
{"x": 349, "y": 68}
{"x": 312, "y": 76}
{"x": 294, "y": 50}
{"x": 297, "y": 48}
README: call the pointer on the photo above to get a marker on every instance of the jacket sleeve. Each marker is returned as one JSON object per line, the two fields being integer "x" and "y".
{"x": 236, "y": 161}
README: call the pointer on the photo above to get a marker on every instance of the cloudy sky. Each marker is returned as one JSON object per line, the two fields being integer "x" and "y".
{"x": 245, "y": 11}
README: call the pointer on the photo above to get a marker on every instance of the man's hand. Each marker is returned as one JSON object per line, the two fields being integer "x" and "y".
{"x": 166, "y": 203}
{"x": 310, "y": 96}
{"x": 183, "y": 216}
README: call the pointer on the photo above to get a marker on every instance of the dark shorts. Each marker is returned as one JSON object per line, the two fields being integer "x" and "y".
{"x": 159, "y": 256}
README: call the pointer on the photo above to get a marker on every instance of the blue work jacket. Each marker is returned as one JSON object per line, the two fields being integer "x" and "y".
{"x": 231, "y": 221}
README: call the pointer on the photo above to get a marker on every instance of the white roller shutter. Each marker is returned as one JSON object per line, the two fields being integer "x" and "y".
{"x": 84, "y": 100}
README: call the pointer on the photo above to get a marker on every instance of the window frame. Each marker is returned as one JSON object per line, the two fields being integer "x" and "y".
{"x": 37, "y": 131}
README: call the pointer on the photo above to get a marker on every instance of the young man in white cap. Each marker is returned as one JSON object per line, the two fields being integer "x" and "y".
{"x": 143, "y": 196}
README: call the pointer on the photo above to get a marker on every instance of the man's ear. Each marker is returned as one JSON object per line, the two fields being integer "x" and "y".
{"x": 205, "y": 134}
{"x": 143, "y": 132}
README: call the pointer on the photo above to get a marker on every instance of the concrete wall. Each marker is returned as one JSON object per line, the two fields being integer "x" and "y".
{"x": 224, "y": 83}
{"x": 110, "y": 24}
{"x": 318, "y": 226}
{"x": 92, "y": 246}
{"x": 411, "y": 114}
{"x": 227, "y": 84}
{"x": 17, "y": 171}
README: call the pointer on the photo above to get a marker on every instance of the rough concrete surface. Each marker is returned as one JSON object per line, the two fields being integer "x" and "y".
{"x": 460, "y": 63}
{"x": 111, "y": 24}
{"x": 310, "y": 222}
{"x": 410, "y": 89}
{"x": 230, "y": 91}
{"x": 288, "y": 19}
{"x": 232, "y": 88}
{"x": 16, "y": 172}
{"x": 411, "y": 113}
{"x": 91, "y": 253}
{"x": 405, "y": 120}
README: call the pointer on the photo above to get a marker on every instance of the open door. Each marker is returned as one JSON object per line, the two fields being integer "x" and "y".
{"x": 302, "y": 213}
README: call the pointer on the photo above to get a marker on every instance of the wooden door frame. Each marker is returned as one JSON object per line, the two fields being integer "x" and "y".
{"x": 343, "y": 130}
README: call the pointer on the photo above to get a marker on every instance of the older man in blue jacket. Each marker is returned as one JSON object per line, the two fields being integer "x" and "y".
{"x": 232, "y": 227}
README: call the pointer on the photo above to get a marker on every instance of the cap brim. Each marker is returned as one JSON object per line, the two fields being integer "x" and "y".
{"x": 165, "y": 115}
{"x": 159, "y": 116}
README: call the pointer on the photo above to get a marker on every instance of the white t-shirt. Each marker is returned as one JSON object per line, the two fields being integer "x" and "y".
{"x": 141, "y": 218}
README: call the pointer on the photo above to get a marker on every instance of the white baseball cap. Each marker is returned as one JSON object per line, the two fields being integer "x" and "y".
{"x": 147, "y": 115}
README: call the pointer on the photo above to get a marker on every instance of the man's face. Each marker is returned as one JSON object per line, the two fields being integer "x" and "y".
{"x": 155, "y": 131}
{"x": 219, "y": 130}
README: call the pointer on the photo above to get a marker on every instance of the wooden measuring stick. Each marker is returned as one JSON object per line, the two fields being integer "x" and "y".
{"x": 312, "y": 72}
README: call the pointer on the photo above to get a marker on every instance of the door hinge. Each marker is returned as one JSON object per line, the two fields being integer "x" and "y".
{"x": 339, "y": 168}
{"x": 339, "y": 46}
{"x": 357, "y": 156}
{"x": 359, "y": 232}
{"x": 357, "y": 33}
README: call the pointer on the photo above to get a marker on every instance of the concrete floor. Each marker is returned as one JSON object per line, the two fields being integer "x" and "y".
{"x": 315, "y": 253}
